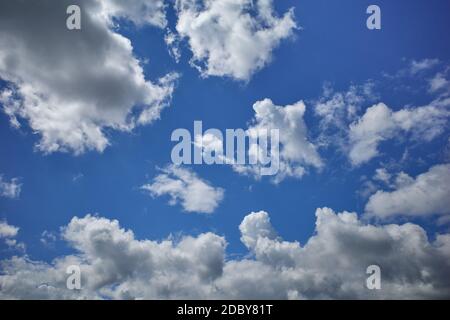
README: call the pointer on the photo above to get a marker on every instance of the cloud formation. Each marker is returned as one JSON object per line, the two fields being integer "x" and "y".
{"x": 7, "y": 235}
{"x": 7, "y": 230}
{"x": 379, "y": 123}
{"x": 183, "y": 186}
{"x": 296, "y": 151}
{"x": 10, "y": 189}
{"x": 233, "y": 38}
{"x": 332, "y": 263}
{"x": 428, "y": 194}
{"x": 417, "y": 66}
{"x": 70, "y": 86}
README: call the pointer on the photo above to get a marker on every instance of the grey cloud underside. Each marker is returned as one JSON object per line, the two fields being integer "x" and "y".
{"x": 69, "y": 85}
{"x": 332, "y": 264}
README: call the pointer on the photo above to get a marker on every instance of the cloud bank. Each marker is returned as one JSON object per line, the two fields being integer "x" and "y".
{"x": 332, "y": 263}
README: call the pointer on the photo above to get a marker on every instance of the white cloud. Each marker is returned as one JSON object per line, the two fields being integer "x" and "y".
{"x": 439, "y": 82}
{"x": 417, "y": 66}
{"x": 70, "y": 86}
{"x": 336, "y": 109}
{"x": 10, "y": 189}
{"x": 141, "y": 12}
{"x": 380, "y": 123}
{"x": 332, "y": 263}
{"x": 8, "y": 233}
{"x": 296, "y": 151}
{"x": 172, "y": 41}
{"x": 185, "y": 187}
{"x": 255, "y": 226}
{"x": 232, "y": 38}
{"x": 7, "y": 230}
{"x": 382, "y": 175}
{"x": 48, "y": 238}
{"x": 427, "y": 194}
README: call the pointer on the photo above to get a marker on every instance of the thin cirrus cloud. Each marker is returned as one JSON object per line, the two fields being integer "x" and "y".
{"x": 331, "y": 264}
{"x": 70, "y": 85}
{"x": 186, "y": 188}
{"x": 232, "y": 38}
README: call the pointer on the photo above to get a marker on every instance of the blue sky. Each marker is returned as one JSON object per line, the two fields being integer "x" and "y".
{"x": 332, "y": 46}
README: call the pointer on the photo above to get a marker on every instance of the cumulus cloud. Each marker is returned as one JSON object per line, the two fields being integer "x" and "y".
{"x": 255, "y": 226}
{"x": 70, "y": 86}
{"x": 116, "y": 265}
{"x": 7, "y": 230}
{"x": 183, "y": 186}
{"x": 232, "y": 38}
{"x": 296, "y": 151}
{"x": 427, "y": 194}
{"x": 7, "y": 234}
{"x": 291, "y": 157}
{"x": 10, "y": 189}
{"x": 379, "y": 123}
{"x": 332, "y": 263}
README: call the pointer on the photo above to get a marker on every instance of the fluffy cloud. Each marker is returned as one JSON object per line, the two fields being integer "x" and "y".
{"x": 332, "y": 264}
{"x": 7, "y": 234}
{"x": 380, "y": 123}
{"x": 427, "y": 194}
{"x": 71, "y": 86}
{"x": 10, "y": 189}
{"x": 185, "y": 187}
{"x": 7, "y": 230}
{"x": 289, "y": 159}
{"x": 232, "y": 38}
{"x": 116, "y": 265}
{"x": 296, "y": 151}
